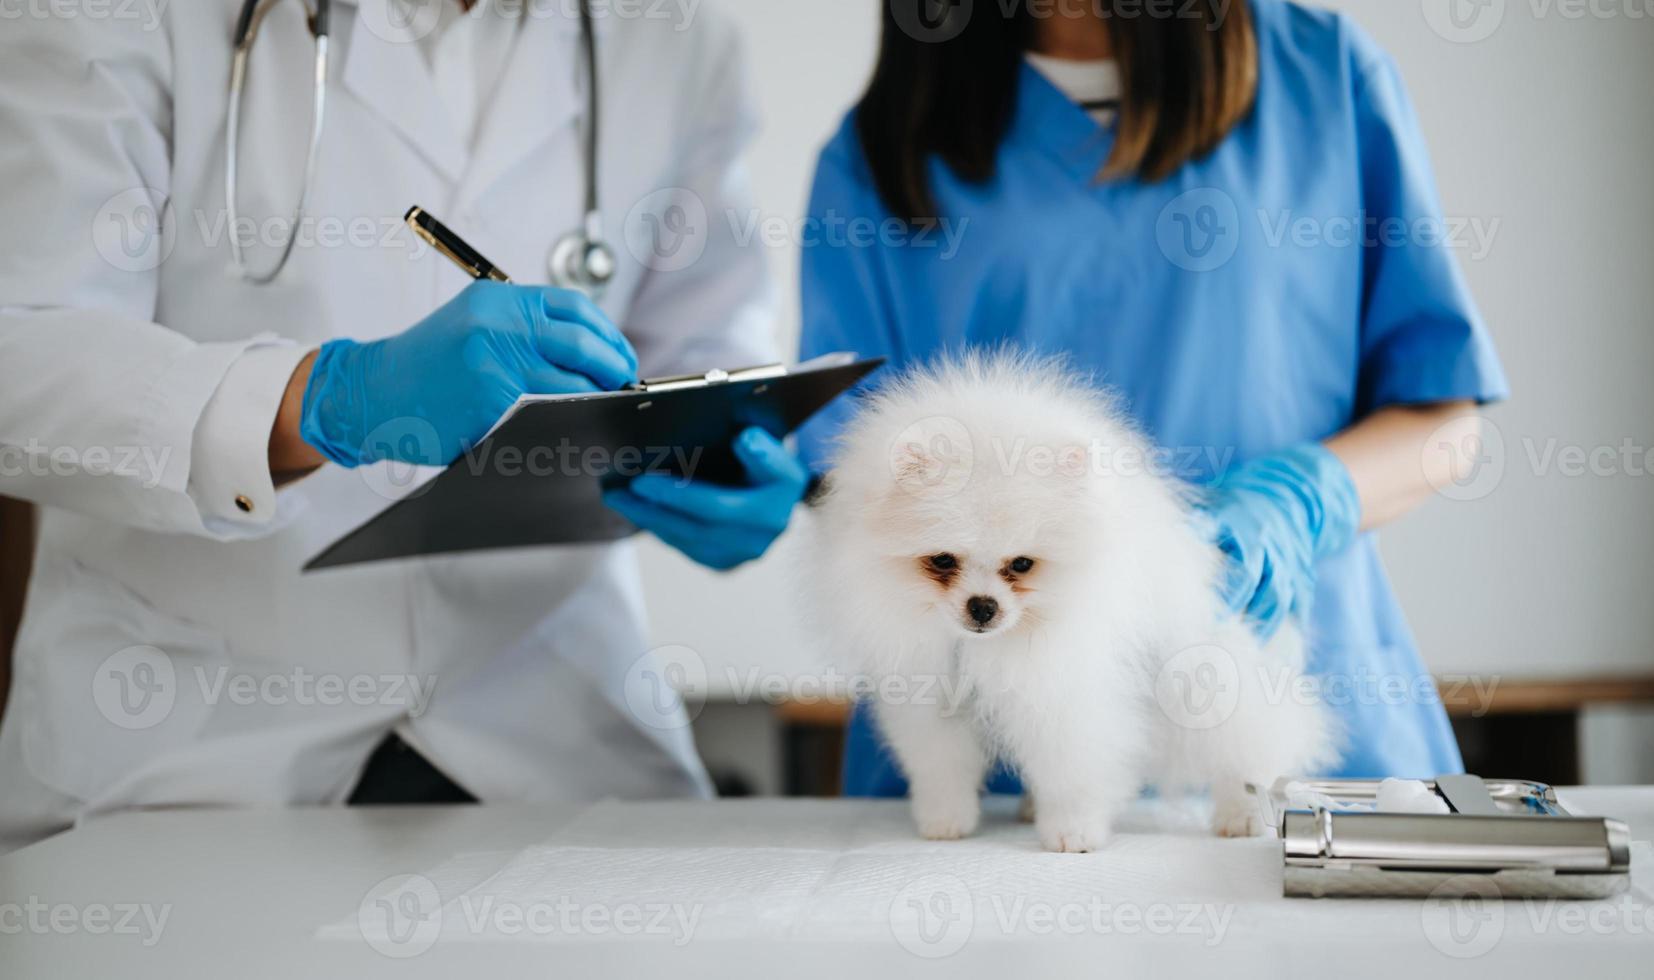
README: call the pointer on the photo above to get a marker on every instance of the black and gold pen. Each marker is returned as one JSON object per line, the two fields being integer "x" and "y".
{"x": 436, "y": 234}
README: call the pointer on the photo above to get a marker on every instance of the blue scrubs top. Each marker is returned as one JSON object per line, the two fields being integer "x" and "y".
{"x": 1280, "y": 289}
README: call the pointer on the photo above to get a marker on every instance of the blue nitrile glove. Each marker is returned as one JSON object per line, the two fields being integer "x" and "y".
{"x": 720, "y": 527}
{"x": 429, "y": 393}
{"x": 1273, "y": 516}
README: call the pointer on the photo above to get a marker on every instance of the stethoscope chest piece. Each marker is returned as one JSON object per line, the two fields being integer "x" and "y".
{"x": 581, "y": 260}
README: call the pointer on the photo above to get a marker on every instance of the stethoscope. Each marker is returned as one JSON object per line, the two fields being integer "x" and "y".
{"x": 580, "y": 259}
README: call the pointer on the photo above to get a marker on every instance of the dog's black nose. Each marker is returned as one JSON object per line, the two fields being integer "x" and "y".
{"x": 981, "y": 608}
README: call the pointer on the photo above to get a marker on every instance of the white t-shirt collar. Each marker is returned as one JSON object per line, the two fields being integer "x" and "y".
{"x": 1093, "y": 85}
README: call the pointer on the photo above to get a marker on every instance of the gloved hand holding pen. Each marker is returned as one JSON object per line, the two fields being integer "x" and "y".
{"x": 459, "y": 370}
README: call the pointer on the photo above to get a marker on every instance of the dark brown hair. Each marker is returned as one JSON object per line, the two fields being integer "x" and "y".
{"x": 946, "y": 85}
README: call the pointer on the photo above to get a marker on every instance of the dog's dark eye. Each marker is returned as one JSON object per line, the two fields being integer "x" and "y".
{"x": 943, "y": 562}
{"x": 1021, "y": 565}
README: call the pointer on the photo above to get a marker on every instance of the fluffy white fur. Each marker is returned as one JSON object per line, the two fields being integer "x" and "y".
{"x": 1107, "y": 665}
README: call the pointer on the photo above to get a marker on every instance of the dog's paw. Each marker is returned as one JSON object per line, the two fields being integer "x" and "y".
{"x": 1235, "y": 817}
{"x": 1074, "y": 836}
{"x": 949, "y": 820}
{"x": 1025, "y": 810}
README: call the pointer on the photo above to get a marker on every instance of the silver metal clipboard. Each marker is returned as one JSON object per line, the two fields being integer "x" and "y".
{"x": 1506, "y": 838}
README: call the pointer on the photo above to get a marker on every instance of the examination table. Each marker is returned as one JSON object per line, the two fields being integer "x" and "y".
{"x": 737, "y": 888}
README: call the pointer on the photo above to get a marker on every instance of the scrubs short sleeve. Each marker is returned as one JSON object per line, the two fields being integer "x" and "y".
{"x": 842, "y": 284}
{"x": 1422, "y": 339}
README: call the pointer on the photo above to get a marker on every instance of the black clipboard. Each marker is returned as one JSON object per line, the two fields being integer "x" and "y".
{"x": 539, "y": 476}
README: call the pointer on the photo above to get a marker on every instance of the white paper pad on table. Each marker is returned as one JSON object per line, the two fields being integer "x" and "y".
{"x": 806, "y": 869}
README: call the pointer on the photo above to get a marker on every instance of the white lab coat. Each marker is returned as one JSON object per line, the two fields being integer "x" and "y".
{"x": 138, "y": 380}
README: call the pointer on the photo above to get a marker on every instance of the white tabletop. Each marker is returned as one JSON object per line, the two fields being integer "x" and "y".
{"x": 741, "y": 888}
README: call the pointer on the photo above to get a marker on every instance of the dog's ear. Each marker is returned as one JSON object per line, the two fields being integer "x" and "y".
{"x": 820, "y": 485}
{"x": 931, "y": 457}
{"x": 1071, "y": 461}
{"x": 911, "y": 462}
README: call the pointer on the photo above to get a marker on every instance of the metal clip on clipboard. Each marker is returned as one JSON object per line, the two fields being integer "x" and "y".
{"x": 1508, "y": 833}
{"x": 720, "y": 376}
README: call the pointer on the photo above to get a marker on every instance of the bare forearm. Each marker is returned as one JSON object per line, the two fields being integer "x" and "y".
{"x": 290, "y": 456}
{"x": 1399, "y": 455}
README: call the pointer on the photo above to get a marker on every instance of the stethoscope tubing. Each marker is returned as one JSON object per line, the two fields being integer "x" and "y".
{"x": 578, "y": 244}
{"x": 247, "y": 25}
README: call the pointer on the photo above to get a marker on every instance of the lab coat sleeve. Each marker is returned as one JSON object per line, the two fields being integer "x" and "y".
{"x": 844, "y": 284}
{"x": 1422, "y": 338}
{"x": 705, "y": 299}
{"x": 100, "y": 405}
{"x": 230, "y": 449}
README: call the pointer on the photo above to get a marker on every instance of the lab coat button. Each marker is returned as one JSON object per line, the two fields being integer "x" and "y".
{"x": 244, "y": 503}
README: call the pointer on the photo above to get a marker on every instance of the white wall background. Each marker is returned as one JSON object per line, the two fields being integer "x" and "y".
{"x": 809, "y": 60}
{"x": 1543, "y": 126}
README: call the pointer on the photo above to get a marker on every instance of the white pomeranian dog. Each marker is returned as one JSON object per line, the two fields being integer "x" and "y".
{"x": 997, "y": 552}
